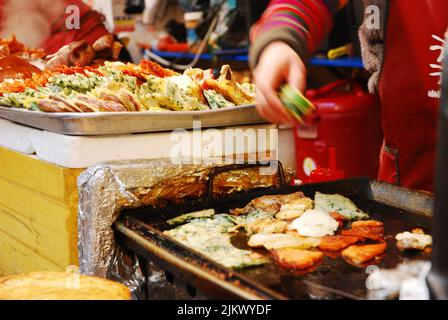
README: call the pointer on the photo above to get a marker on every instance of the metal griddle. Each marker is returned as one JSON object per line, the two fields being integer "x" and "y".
{"x": 400, "y": 209}
{"x": 109, "y": 123}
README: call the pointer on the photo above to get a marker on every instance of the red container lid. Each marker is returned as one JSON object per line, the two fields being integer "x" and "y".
{"x": 342, "y": 96}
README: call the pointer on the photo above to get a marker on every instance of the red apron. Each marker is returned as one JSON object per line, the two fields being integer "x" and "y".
{"x": 410, "y": 90}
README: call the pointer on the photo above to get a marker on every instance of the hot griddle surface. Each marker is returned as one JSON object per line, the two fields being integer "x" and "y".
{"x": 333, "y": 278}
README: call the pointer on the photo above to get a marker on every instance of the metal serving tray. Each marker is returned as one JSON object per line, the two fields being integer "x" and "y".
{"x": 109, "y": 123}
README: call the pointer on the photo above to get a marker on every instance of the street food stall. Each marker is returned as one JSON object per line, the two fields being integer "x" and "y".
{"x": 45, "y": 150}
{"x": 159, "y": 180}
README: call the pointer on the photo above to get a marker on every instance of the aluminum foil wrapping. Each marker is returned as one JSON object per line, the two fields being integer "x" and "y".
{"x": 106, "y": 189}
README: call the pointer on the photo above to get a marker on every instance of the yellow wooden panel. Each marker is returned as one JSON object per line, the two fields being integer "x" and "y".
{"x": 38, "y": 214}
{"x": 49, "y": 179}
{"x": 45, "y": 242}
{"x": 71, "y": 186}
{"x": 37, "y": 208}
{"x": 16, "y": 258}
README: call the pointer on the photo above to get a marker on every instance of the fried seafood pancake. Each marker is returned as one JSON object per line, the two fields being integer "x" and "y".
{"x": 294, "y": 208}
{"x": 415, "y": 240}
{"x": 270, "y": 204}
{"x": 227, "y": 86}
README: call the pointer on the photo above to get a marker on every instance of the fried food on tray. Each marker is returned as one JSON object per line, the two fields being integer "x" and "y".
{"x": 339, "y": 218}
{"x": 127, "y": 87}
{"x": 294, "y": 208}
{"x": 368, "y": 224}
{"x": 267, "y": 226}
{"x": 337, "y": 243}
{"x": 369, "y": 229}
{"x": 229, "y": 92}
{"x": 315, "y": 223}
{"x": 340, "y": 204}
{"x": 12, "y": 46}
{"x": 359, "y": 254}
{"x": 271, "y": 204}
{"x": 107, "y": 48}
{"x": 77, "y": 54}
{"x": 227, "y": 87}
{"x": 14, "y": 68}
{"x": 296, "y": 258}
{"x": 259, "y": 240}
{"x": 48, "y": 105}
{"x": 268, "y": 204}
{"x": 282, "y": 240}
{"x": 80, "y": 53}
{"x": 143, "y": 70}
{"x": 210, "y": 237}
{"x": 190, "y": 216}
{"x": 415, "y": 240}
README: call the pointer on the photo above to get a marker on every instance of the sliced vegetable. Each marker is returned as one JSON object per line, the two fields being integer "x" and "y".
{"x": 296, "y": 103}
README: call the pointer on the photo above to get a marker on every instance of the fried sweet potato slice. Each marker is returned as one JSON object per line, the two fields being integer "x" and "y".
{"x": 359, "y": 254}
{"x": 370, "y": 229}
{"x": 367, "y": 224}
{"x": 337, "y": 243}
{"x": 291, "y": 258}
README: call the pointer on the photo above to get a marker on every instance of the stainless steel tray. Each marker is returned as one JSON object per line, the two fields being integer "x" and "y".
{"x": 108, "y": 123}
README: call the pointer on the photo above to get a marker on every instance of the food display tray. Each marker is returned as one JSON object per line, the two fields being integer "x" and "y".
{"x": 112, "y": 123}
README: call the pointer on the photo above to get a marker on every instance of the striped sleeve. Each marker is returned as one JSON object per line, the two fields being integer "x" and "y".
{"x": 303, "y": 24}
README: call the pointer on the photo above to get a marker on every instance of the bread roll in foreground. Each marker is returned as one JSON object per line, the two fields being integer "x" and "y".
{"x": 60, "y": 286}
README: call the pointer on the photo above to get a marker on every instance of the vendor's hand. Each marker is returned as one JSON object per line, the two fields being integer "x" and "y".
{"x": 278, "y": 64}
